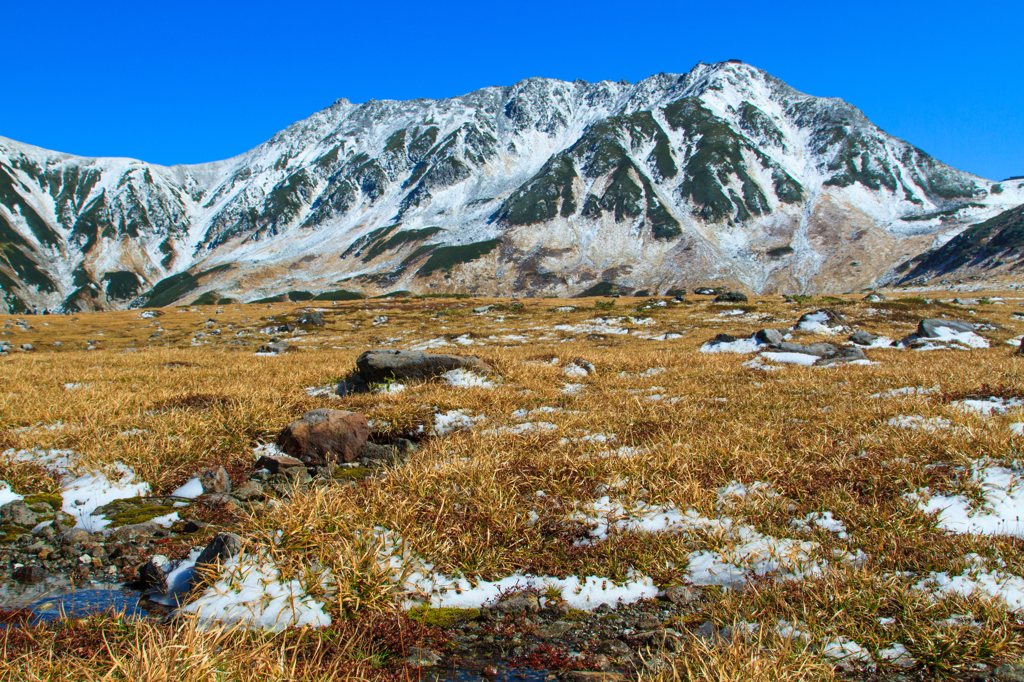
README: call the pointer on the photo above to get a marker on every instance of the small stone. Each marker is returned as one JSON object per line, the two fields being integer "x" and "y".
{"x": 154, "y": 574}
{"x": 422, "y": 657}
{"x": 554, "y": 630}
{"x": 28, "y": 575}
{"x": 863, "y": 338}
{"x": 527, "y": 602}
{"x": 678, "y": 594}
{"x": 75, "y": 536}
{"x": 250, "y": 490}
{"x": 214, "y": 480}
{"x": 730, "y": 297}
{"x": 274, "y": 348}
{"x": 17, "y": 513}
{"x": 1009, "y": 672}
{"x": 769, "y": 336}
{"x": 842, "y": 355}
{"x": 377, "y": 366}
{"x": 276, "y": 464}
{"x": 489, "y": 671}
{"x": 312, "y": 319}
{"x": 223, "y": 547}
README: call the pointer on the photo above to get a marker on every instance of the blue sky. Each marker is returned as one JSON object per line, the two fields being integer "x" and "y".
{"x": 187, "y": 82}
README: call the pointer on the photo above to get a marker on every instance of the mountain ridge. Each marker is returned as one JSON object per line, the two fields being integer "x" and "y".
{"x": 551, "y": 186}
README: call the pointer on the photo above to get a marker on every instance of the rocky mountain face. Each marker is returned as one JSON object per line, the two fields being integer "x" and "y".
{"x": 724, "y": 175}
{"x": 991, "y": 249}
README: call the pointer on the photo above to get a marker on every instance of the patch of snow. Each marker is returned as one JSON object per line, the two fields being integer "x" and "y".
{"x": 455, "y": 420}
{"x": 790, "y": 358}
{"x": 747, "y": 345}
{"x": 977, "y": 579}
{"x": 7, "y": 495}
{"x": 989, "y": 406}
{"x": 845, "y": 649}
{"x": 251, "y": 593}
{"x": 83, "y": 493}
{"x": 461, "y": 378}
{"x": 969, "y": 339}
{"x": 572, "y": 389}
{"x": 189, "y": 491}
{"x": 824, "y": 521}
{"x": 915, "y": 421}
{"x": 167, "y": 520}
{"x": 525, "y": 427}
{"x": 906, "y": 390}
{"x": 999, "y": 514}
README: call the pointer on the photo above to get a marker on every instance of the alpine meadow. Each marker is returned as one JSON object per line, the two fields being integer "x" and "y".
{"x": 697, "y": 378}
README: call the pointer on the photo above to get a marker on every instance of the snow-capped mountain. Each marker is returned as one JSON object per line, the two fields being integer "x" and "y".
{"x": 721, "y": 175}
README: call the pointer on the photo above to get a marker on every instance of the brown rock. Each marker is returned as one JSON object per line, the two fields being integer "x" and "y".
{"x": 324, "y": 437}
{"x": 275, "y": 464}
{"x": 214, "y": 480}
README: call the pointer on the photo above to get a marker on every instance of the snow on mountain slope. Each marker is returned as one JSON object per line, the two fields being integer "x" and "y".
{"x": 721, "y": 175}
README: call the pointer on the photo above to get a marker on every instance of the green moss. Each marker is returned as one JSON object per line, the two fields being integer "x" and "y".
{"x": 209, "y": 298}
{"x": 396, "y": 294}
{"x": 443, "y": 617}
{"x": 351, "y": 473}
{"x": 447, "y": 257}
{"x": 300, "y": 295}
{"x": 131, "y": 511}
{"x": 53, "y": 500}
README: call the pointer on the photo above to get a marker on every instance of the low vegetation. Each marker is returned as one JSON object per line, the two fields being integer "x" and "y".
{"x": 610, "y": 408}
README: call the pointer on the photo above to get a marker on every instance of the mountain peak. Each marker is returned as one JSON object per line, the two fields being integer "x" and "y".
{"x": 723, "y": 174}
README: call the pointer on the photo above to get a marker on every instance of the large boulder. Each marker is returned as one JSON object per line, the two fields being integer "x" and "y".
{"x": 863, "y": 338}
{"x": 841, "y": 355}
{"x": 929, "y": 328}
{"x": 376, "y": 366}
{"x": 769, "y": 336}
{"x": 825, "y": 317}
{"x": 731, "y": 297}
{"x": 313, "y": 319}
{"x": 325, "y": 437}
{"x": 821, "y": 350}
{"x": 874, "y": 297}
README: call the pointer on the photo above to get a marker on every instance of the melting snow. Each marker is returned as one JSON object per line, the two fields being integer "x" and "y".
{"x": 748, "y": 345}
{"x": 999, "y": 514}
{"x": 461, "y": 378}
{"x": 988, "y": 406}
{"x": 918, "y": 422}
{"x": 254, "y": 595}
{"x": 455, "y": 420}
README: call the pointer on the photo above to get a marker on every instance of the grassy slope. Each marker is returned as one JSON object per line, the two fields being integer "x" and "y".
{"x": 462, "y": 501}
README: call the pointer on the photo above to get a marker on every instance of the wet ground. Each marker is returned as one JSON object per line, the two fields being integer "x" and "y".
{"x": 58, "y": 597}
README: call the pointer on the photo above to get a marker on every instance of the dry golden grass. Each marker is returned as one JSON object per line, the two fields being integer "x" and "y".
{"x": 462, "y": 502}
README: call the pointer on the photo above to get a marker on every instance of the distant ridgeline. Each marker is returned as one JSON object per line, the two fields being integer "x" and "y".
{"x": 723, "y": 176}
